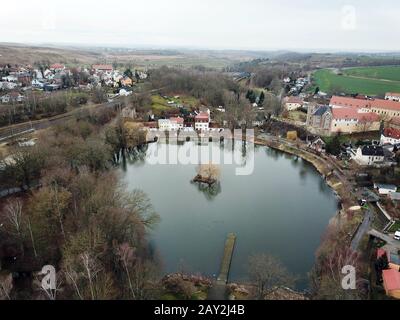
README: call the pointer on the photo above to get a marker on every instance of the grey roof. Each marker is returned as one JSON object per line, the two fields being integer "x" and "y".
{"x": 321, "y": 110}
{"x": 394, "y": 196}
{"x": 376, "y": 151}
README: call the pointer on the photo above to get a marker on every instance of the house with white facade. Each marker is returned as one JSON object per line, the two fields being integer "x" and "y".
{"x": 164, "y": 124}
{"x": 392, "y": 96}
{"x": 202, "y": 121}
{"x": 385, "y": 189}
{"x": 176, "y": 123}
{"x": 390, "y": 136}
{"x": 369, "y": 155}
{"x": 293, "y": 103}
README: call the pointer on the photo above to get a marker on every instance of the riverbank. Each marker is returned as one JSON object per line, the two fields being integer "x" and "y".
{"x": 326, "y": 170}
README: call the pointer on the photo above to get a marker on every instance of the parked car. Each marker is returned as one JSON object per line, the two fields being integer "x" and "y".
{"x": 397, "y": 235}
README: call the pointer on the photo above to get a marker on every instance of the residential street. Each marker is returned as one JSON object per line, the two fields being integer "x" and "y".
{"x": 362, "y": 230}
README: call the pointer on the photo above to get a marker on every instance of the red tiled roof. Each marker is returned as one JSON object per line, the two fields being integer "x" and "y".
{"x": 391, "y": 279}
{"x": 102, "y": 67}
{"x": 385, "y": 104}
{"x": 57, "y": 66}
{"x": 368, "y": 117}
{"x": 392, "y": 133}
{"x": 352, "y": 113}
{"x": 349, "y": 102}
{"x": 344, "y": 113}
{"x": 202, "y": 116}
{"x": 177, "y": 120}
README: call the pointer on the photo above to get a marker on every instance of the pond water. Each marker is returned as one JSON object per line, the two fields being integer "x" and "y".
{"x": 282, "y": 208}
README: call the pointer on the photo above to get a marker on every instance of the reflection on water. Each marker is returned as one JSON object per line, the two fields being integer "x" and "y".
{"x": 210, "y": 192}
{"x": 283, "y": 209}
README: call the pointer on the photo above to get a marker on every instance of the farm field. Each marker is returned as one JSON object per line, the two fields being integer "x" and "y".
{"x": 160, "y": 104}
{"x": 390, "y": 73}
{"x": 330, "y": 82}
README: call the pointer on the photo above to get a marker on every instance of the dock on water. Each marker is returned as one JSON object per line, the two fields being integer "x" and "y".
{"x": 227, "y": 259}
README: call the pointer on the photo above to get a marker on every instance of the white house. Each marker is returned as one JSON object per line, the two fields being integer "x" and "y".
{"x": 293, "y": 103}
{"x": 176, "y": 123}
{"x": 10, "y": 79}
{"x": 5, "y": 99}
{"x": 164, "y": 124}
{"x": 392, "y": 96}
{"x": 385, "y": 189}
{"x": 37, "y": 84}
{"x": 390, "y": 136}
{"x": 202, "y": 121}
{"x": 124, "y": 93}
{"x": 369, "y": 155}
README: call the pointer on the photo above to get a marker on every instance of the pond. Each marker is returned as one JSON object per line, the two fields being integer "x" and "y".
{"x": 282, "y": 208}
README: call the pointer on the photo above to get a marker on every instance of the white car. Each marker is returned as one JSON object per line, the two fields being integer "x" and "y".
{"x": 397, "y": 235}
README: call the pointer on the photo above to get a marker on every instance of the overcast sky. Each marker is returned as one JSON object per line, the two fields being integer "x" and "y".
{"x": 213, "y": 24}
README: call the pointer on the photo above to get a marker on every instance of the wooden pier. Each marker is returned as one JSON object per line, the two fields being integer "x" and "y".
{"x": 227, "y": 259}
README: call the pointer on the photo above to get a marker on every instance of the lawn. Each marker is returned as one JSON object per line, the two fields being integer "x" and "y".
{"x": 297, "y": 116}
{"x": 159, "y": 104}
{"x": 390, "y": 73}
{"x": 330, "y": 82}
{"x": 395, "y": 227}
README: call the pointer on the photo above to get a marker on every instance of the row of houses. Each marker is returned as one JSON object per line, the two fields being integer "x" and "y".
{"x": 351, "y": 115}
{"x": 202, "y": 122}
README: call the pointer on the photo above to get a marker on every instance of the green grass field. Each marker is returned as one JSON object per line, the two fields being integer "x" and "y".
{"x": 160, "y": 104}
{"x": 390, "y": 73}
{"x": 330, "y": 82}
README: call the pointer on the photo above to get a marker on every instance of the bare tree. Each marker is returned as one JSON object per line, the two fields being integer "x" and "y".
{"x": 14, "y": 216}
{"x": 209, "y": 171}
{"x": 268, "y": 274}
{"x": 6, "y": 285}
{"x": 126, "y": 255}
{"x": 91, "y": 269}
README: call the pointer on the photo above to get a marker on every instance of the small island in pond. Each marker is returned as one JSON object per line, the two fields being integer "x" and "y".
{"x": 208, "y": 174}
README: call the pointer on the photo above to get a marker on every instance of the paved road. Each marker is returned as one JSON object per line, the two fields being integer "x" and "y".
{"x": 393, "y": 244}
{"x": 362, "y": 230}
{"x": 218, "y": 292}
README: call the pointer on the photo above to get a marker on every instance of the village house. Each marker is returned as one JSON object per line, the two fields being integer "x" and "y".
{"x": 36, "y": 83}
{"x": 202, "y": 121}
{"x": 176, "y": 123}
{"x": 10, "y": 78}
{"x": 350, "y": 120}
{"x": 391, "y": 276}
{"x": 57, "y": 67}
{"x": 385, "y": 189}
{"x": 164, "y": 124}
{"x": 103, "y": 68}
{"x": 12, "y": 97}
{"x": 361, "y": 105}
{"x": 392, "y": 96}
{"x": 5, "y": 85}
{"x": 386, "y": 109}
{"x": 259, "y": 120}
{"x": 318, "y": 145}
{"x": 126, "y": 82}
{"x": 391, "y": 282}
{"x": 319, "y": 118}
{"x": 369, "y": 155}
{"x": 390, "y": 136}
{"x": 293, "y": 103}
